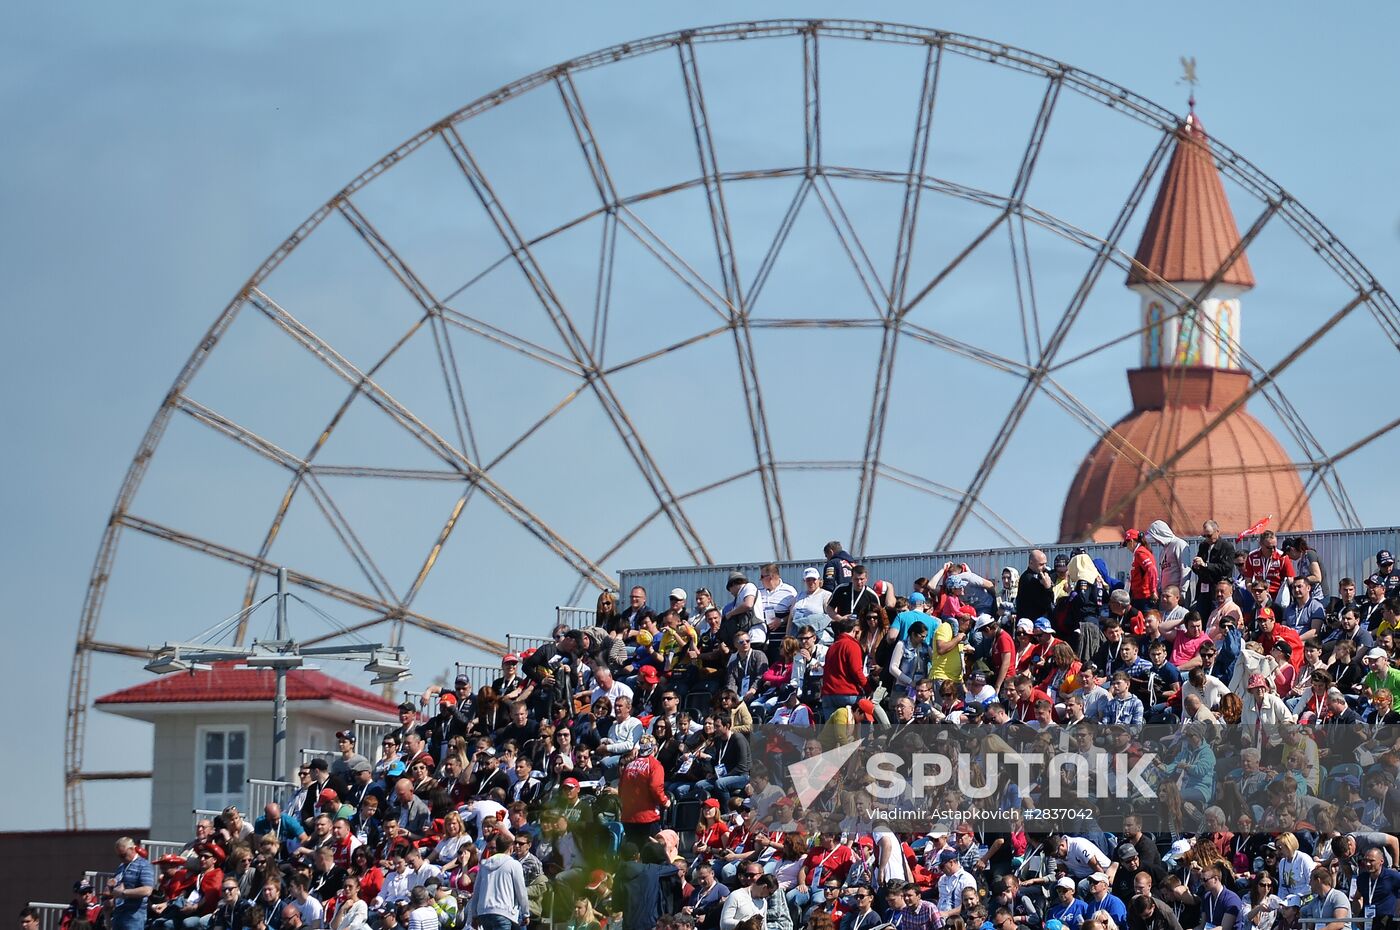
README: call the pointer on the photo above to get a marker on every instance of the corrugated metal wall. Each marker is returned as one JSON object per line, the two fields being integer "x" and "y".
{"x": 1343, "y": 553}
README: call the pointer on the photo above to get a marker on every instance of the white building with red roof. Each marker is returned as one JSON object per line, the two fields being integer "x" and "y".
{"x": 213, "y": 731}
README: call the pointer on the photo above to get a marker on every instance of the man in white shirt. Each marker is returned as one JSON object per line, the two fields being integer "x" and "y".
{"x": 604, "y": 685}
{"x": 775, "y": 600}
{"x": 952, "y": 883}
{"x": 1080, "y": 856}
{"x": 750, "y": 899}
{"x": 621, "y": 737}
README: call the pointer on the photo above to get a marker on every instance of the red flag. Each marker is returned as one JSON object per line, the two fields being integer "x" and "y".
{"x": 1255, "y": 528}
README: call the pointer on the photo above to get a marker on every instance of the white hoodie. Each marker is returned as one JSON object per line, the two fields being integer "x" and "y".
{"x": 1172, "y": 564}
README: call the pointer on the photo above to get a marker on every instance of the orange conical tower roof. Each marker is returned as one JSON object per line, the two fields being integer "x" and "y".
{"x": 1191, "y": 229}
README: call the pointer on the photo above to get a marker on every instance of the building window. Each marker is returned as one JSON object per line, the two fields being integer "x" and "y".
{"x": 1188, "y": 343}
{"x": 1152, "y": 356}
{"x": 1225, "y": 337}
{"x": 221, "y": 771}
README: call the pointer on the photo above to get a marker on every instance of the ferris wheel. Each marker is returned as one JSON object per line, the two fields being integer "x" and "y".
{"x": 698, "y": 297}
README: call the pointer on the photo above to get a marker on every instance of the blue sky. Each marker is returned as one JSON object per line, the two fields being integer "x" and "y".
{"x": 157, "y": 153}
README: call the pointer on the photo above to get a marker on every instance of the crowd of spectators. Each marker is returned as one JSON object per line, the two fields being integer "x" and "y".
{"x": 616, "y": 776}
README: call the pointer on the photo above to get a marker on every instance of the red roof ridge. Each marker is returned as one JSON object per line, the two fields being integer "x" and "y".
{"x": 1191, "y": 229}
{"x": 225, "y": 683}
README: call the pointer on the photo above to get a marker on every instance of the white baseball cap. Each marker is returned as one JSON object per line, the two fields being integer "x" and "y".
{"x": 1377, "y": 653}
{"x": 678, "y": 594}
{"x": 812, "y": 573}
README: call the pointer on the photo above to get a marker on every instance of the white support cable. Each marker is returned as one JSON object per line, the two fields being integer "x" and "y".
{"x": 330, "y": 621}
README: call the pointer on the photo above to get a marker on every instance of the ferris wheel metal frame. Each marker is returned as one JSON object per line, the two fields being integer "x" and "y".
{"x": 732, "y": 302}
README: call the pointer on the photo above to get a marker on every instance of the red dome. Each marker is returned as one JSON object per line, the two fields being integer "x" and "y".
{"x": 1236, "y": 475}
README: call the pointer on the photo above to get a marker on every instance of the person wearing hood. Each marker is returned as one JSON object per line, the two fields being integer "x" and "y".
{"x": 499, "y": 900}
{"x": 1172, "y": 564}
{"x": 1006, "y": 596}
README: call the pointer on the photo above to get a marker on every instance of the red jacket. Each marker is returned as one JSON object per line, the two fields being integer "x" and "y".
{"x": 844, "y": 671}
{"x": 1273, "y": 566}
{"x": 211, "y": 888}
{"x": 640, "y": 790}
{"x": 1143, "y": 579}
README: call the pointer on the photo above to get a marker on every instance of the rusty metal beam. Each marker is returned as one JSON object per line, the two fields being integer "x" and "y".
{"x": 310, "y": 582}
{"x": 425, "y": 435}
{"x": 574, "y": 342}
{"x": 116, "y": 649}
{"x": 891, "y": 311}
{"x": 734, "y": 296}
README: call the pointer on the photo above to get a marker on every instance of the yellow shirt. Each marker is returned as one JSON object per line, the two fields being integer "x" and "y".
{"x": 947, "y": 666}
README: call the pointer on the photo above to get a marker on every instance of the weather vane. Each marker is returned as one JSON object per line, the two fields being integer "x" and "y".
{"x": 1188, "y": 77}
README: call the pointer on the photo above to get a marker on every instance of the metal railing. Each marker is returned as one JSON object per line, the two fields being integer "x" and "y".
{"x": 157, "y": 848}
{"x": 576, "y": 618}
{"x": 516, "y": 643}
{"x": 368, "y": 733}
{"x": 308, "y": 754}
{"x": 480, "y": 676}
{"x": 264, "y": 791}
{"x": 98, "y": 879}
{"x": 50, "y": 915}
{"x": 203, "y": 813}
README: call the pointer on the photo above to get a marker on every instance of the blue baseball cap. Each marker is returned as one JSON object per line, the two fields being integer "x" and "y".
{"x": 947, "y": 855}
{"x": 1042, "y": 625}
{"x": 1384, "y": 556}
{"x": 395, "y": 768}
{"x": 917, "y": 598}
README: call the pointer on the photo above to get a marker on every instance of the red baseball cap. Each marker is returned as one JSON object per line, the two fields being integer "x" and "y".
{"x": 649, "y": 673}
{"x": 571, "y": 782}
{"x": 328, "y": 794}
{"x": 447, "y": 697}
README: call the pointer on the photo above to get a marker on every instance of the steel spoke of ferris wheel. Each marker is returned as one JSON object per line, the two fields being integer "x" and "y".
{"x": 958, "y": 259}
{"x": 452, "y": 378}
{"x": 575, "y": 343}
{"x": 284, "y": 505}
{"x": 1025, "y": 287}
{"x": 425, "y": 435}
{"x": 510, "y": 341}
{"x": 811, "y": 101}
{"x": 1258, "y": 385}
{"x": 988, "y": 517}
{"x": 850, "y": 241}
{"x": 245, "y": 437}
{"x": 310, "y": 582}
{"x": 775, "y": 247}
{"x": 1037, "y": 140}
{"x": 582, "y": 583}
{"x": 1108, "y": 246}
{"x": 447, "y": 360}
{"x": 734, "y": 295}
{"x": 615, "y": 214}
{"x": 899, "y": 280}
{"x": 963, "y": 349}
